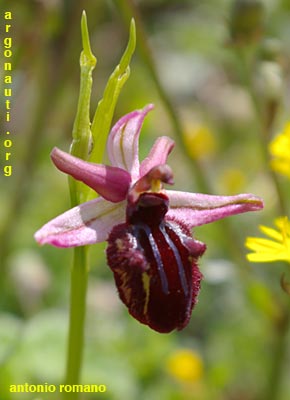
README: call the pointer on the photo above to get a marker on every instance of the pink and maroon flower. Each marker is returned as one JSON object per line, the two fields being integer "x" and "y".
{"x": 150, "y": 247}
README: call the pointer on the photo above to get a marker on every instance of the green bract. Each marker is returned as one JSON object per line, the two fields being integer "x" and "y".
{"x": 83, "y": 131}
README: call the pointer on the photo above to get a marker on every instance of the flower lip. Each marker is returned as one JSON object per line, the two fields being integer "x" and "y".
{"x": 154, "y": 262}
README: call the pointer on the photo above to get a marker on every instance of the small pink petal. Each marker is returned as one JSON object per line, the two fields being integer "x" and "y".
{"x": 88, "y": 223}
{"x": 197, "y": 209}
{"x": 123, "y": 141}
{"x": 158, "y": 154}
{"x": 110, "y": 182}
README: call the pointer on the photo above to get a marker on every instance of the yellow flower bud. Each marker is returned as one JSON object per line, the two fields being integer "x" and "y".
{"x": 185, "y": 366}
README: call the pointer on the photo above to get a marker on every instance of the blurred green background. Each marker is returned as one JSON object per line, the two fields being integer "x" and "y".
{"x": 233, "y": 348}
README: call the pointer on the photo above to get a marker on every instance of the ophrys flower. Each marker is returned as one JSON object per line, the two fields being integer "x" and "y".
{"x": 150, "y": 248}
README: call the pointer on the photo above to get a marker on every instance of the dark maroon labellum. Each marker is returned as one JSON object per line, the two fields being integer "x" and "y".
{"x": 154, "y": 262}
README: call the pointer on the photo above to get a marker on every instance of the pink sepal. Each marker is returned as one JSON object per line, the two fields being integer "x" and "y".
{"x": 110, "y": 182}
{"x": 196, "y": 209}
{"x": 88, "y": 223}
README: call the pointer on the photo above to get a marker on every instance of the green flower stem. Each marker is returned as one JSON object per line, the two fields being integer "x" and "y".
{"x": 279, "y": 346}
{"x": 79, "y": 273}
{"x": 79, "y": 279}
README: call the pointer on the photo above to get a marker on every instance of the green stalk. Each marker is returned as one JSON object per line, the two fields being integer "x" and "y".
{"x": 279, "y": 351}
{"x": 79, "y": 280}
{"x": 80, "y": 270}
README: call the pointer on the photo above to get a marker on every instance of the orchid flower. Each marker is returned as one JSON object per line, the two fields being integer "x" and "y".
{"x": 148, "y": 229}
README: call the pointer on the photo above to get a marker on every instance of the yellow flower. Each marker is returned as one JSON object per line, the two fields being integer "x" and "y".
{"x": 280, "y": 150}
{"x": 199, "y": 141}
{"x": 185, "y": 366}
{"x": 266, "y": 250}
